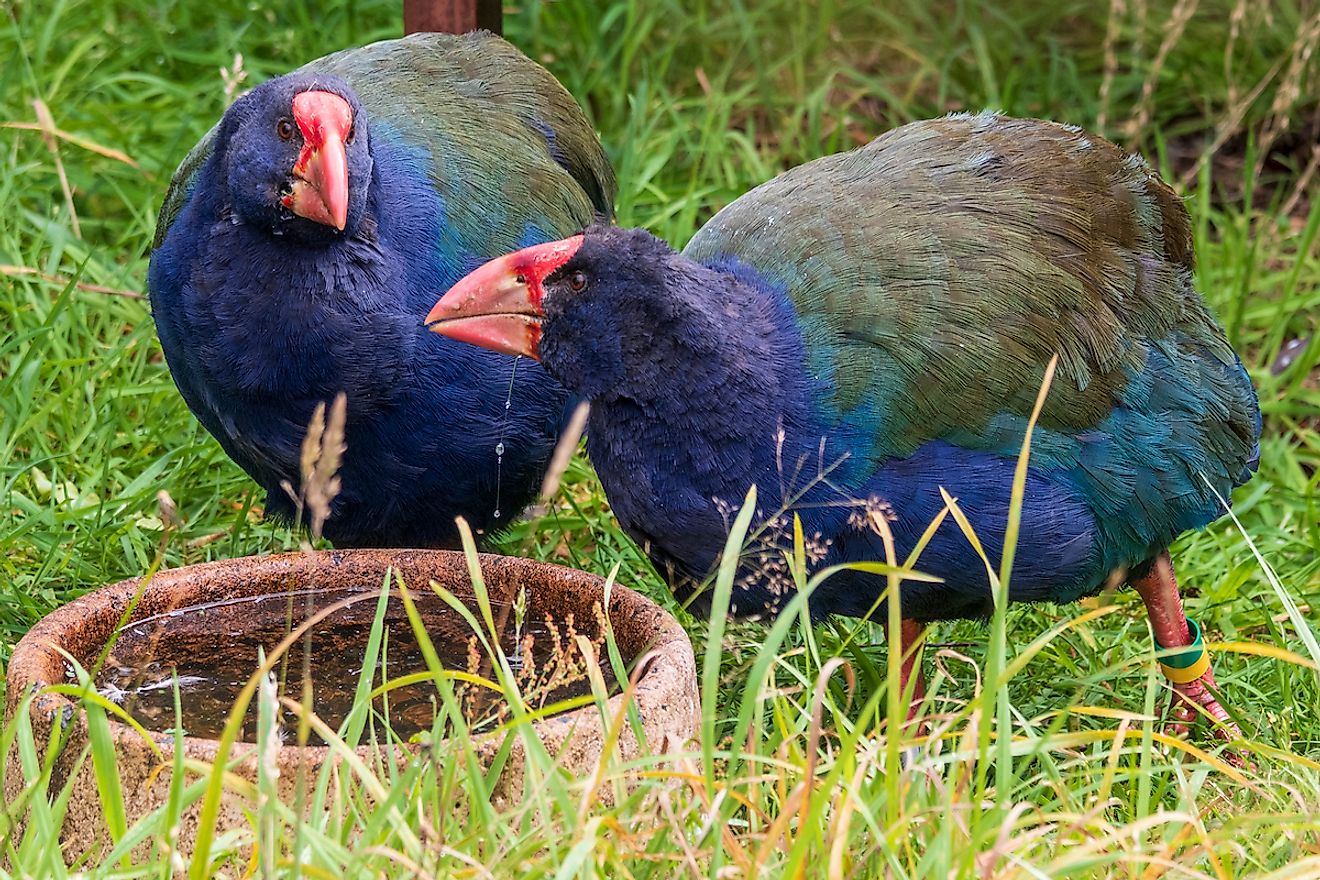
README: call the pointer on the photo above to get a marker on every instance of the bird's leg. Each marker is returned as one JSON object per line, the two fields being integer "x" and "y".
{"x": 1159, "y": 591}
{"x": 907, "y": 644}
{"x": 909, "y": 638}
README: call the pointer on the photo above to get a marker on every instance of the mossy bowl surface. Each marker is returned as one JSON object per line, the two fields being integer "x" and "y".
{"x": 653, "y": 646}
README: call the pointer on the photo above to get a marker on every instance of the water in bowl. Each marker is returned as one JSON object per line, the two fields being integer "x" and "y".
{"x": 209, "y": 652}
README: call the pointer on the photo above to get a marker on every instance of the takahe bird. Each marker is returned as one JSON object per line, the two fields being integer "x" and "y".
{"x": 875, "y": 325}
{"x": 304, "y": 236}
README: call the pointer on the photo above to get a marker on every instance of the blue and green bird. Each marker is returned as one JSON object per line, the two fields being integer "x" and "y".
{"x": 304, "y": 236}
{"x": 873, "y": 327}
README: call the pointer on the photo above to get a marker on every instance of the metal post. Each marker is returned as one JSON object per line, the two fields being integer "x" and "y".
{"x": 452, "y": 16}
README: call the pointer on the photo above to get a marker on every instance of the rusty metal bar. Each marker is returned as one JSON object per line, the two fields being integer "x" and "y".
{"x": 452, "y": 16}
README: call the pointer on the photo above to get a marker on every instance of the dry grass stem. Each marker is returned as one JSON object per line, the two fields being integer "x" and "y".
{"x": 1173, "y": 31}
{"x": 48, "y": 129}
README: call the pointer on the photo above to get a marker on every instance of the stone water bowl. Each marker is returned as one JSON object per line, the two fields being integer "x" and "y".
{"x": 193, "y": 614}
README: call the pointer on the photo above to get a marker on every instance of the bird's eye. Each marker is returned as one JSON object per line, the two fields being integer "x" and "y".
{"x": 284, "y": 128}
{"x": 577, "y": 281}
{"x": 352, "y": 133}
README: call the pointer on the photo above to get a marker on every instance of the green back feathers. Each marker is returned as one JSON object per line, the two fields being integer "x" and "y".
{"x": 181, "y": 185}
{"x": 936, "y": 270}
{"x": 502, "y": 135}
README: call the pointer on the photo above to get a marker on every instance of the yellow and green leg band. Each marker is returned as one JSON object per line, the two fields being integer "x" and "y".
{"x": 1186, "y": 664}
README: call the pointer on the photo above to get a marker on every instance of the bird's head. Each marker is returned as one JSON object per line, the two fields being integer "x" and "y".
{"x": 582, "y": 306}
{"x": 298, "y": 157}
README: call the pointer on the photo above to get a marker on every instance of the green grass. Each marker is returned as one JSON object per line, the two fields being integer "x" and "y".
{"x": 697, "y": 102}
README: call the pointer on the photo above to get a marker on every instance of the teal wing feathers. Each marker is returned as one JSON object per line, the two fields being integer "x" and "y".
{"x": 937, "y": 270}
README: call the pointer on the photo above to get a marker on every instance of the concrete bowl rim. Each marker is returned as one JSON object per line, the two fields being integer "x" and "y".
{"x": 36, "y": 652}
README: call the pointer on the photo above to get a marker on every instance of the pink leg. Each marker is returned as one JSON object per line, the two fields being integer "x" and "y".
{"x": 1159, "y": 591}
{"x": 909, "y": 635}
{"x": 908, "y": 644}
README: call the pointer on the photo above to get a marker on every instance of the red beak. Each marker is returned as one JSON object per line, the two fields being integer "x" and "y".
{"x": 320, "y": 186}
{"x": 498, "y": 306}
